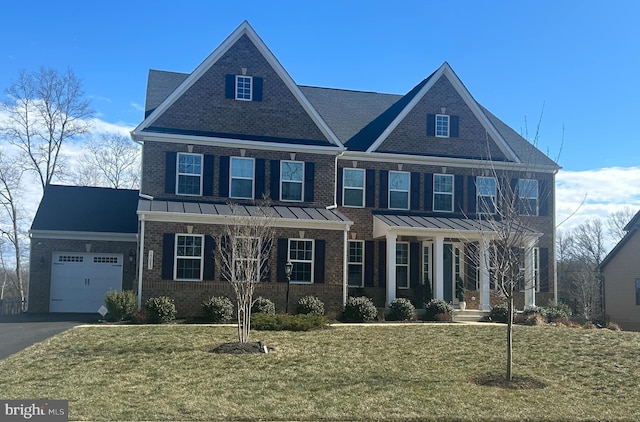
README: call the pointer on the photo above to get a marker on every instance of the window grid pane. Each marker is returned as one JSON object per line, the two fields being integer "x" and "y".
{"x": 527, "y": 197}
{"x": 301, "y": 256}
{"x": 443, "y": 192}
{"x": 355, "y": 264}
{"x": 243, "y": 88}
{"x": 353, "y": 187}
{"x": 486, "y": 191}
{"x": 402, "y": 265}
{"x": 442, "y": 125}
{"x": 398, "y": 190}
{"x": 189, "y": 174}
{"x": 291, "y": 180}
{"x": 188, "y": 257}
{"x": 241, "y": 177}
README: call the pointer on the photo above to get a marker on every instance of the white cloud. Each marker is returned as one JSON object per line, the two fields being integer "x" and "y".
{"x": 137, "y": 106}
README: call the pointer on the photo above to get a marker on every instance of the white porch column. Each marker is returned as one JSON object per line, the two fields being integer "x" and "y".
{"x": 485, "y": 302}
{"x": 391, "y": 268}
{"x": 529, "y": 281}
{"x": 438, "y": 266}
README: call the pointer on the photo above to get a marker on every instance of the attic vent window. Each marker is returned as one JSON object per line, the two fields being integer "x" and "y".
{"x": 442, "y": 126}
{"x": 243, "y": 87}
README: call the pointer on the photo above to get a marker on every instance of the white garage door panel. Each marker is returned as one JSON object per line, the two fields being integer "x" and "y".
{"x": 79, "y": 281}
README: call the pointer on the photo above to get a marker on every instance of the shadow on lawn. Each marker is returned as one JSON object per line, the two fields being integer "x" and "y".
{"x": 517, "y": 383}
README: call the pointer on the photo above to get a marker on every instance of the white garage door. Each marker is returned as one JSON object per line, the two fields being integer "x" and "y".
{"x": 79, "y": 281}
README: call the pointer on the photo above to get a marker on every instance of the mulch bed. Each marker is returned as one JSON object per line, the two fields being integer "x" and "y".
{"x": 238, "y": 348}
{"x": 516, "y": 383}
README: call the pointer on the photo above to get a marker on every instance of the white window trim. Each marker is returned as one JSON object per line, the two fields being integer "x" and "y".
{"x": 448, "y": 126}
{"x": 344, "y": 188}
{"x": 231, "y": 178}
{"x": 408, "y": 265}
{"x": 178, "y": 174}
{"x": 175, "y": 257}
{"x": 398, "y": 190}
{"x": 250, "y": 88}
{"x": 537, "y": 197}
{"x": 313, "y": 258}
{"x": 494, "y": 196}
{"x": 535, "y": 256}
{"x": 301, "y": 182}
{"x": 453, "y": 189}
{"x": 361, "y": 264}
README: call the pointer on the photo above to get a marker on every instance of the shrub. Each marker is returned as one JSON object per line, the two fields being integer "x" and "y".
{"x": 535, "y": 319}
{"x": 499, "y": 313}
{"x": 310, "y": 305}
{"x": 160, "y": 310}
{"x": 557, "y": 310}
{"x": 437, "y": 310}
{"x": 282, "y": 322}
{"x": 401, "y": 309}
{"x": 531, "y": 310}
{"x": 589, "y": 325}
{"x": 218, "y": 309}
{"x": 140, "y": 316}
{"x": 359, "y": 309}
{"x": 263, "y": 306}
{"x": 613, "y": 326}
{"x": 120, "y": 305}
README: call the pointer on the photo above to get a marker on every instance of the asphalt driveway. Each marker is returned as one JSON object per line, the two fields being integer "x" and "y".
{"x": 18, "y": 332}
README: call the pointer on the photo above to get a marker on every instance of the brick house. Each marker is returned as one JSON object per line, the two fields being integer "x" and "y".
{"x": 373, "y": 194}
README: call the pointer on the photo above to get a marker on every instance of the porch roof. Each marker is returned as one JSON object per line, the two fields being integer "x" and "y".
{"x": 220, "y": 213}
{"x": 464, "y": 228}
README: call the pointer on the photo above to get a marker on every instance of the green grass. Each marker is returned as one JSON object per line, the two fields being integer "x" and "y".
{"x": 401, "y": 372}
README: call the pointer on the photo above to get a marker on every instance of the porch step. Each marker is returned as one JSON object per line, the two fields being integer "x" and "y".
{"x": 469, "y": 315}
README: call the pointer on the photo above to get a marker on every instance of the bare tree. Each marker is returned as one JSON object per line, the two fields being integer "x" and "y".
{"x": 617, "y": 221}
{"x": 45, "y": 108}
{"x": 111, "y": 160}
{"x": 244, "y": 257}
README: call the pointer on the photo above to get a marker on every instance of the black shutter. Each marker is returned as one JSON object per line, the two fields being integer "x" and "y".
{"x": 414, "y": 263}
{"x": 544, "y": 269}
{"x": 209, "y": 259}
{"x": 275, "y": 180}
{"x": 207, "y": 182}
{"x": 428, "y": 192}
{"x": 309, "y": 181}
{"x": 170, "y": 172}
{"x": 545, "y": 198}
{"x": 415, "y": 191}
{"x": 382, "y": 263}
{"x": 168, "y": 245}
{"x": 230, "y": 86}
{"x": 339, "y": 186}
{"x": 257, "y": 89}
{"x": 431, "y": 125}
{"x": 282, "y": 258}
{"x": 223, "y": 179}
{"x": 318, "y": 261}
{"x": 458, "y": 193}
{"x": 370, "y": 193}
{"x": 384, "y": 188}
{"x": 471, "y": 196}
{"x": 265, "y": 270}
{"x": 454, "y": 126}
{"x": 369, "y": 260}
{"x": 258, "y": 177}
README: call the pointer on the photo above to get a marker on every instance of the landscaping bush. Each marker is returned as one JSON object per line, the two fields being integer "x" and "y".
{"x": 535, "y": 320}
{"x": 140, "y": 316}
{"x": 499, "y": 313}
{"x": 359, "y": 309}
{"x": 613, "y": 326}
{"x": 285, "y": 322}
{"x": 557, "y": 310}
{"x": 531, "y": 310}
{"x": 310, "y": 305}
{"x": 263, "y": 305}
{"x": 218, "y": 309}
{"x": 437, "y": 310}
{"x": 401, "y": 309}
{"x": 120, "y": 305}
{"x": 160, "y": 310}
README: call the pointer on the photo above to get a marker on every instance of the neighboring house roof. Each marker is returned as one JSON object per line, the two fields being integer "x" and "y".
{"x": 631, "y": 228}
{"x": 159, "y": 85}
{"x": 87, "y": 209}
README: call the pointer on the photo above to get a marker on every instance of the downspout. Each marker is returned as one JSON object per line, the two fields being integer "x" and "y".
{"x": 344, "y": 268}
{"x": 140, "y": 261}
{"x": 335, "y": 182}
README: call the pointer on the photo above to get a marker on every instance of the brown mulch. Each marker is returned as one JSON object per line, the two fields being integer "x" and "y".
{"x": 238, "y": 348}
{"x": 516, "y": 383}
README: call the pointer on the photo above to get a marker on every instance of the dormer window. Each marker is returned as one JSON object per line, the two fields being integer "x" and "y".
{"x": 442, "y": 126}
{"x": 243, "y": 87}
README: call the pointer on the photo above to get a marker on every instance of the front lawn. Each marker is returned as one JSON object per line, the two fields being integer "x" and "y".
{"x": 419, "y": 371}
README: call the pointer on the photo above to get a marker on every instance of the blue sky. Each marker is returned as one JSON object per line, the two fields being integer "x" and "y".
{"x": 580, "y": 60}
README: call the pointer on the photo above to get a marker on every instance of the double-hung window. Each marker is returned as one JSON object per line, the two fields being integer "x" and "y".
{"x": 442, "y": 126}
{"x": 527, "y": 197}
{"x": 243, "y": 87}
{"x": 246, "y": 258}
{"x": 353, "y": 187}
{"x": 402, "y": 265}
{"x": 189, "y": 174}
{"x": 487, "y": 193}
{"x": 291, "y": 181}
{"x": 301, "y": 256}
{"x": 189, "y": 257}
{"x": 443, "y": 192}
{"x": 399, "y": 190}
{"x": 356, "y": 263}
{"x": 242, "y": 178}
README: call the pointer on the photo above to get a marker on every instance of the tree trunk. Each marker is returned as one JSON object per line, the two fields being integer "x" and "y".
{"x": 510, "y": 339}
